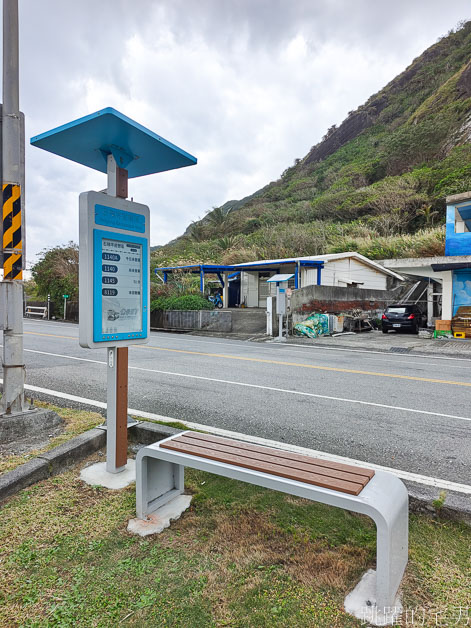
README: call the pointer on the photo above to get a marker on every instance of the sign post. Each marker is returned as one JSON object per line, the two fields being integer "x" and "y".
{"x": 65, "y": 297}
{"x": 114, "y": 277}
{"x": 281, "y": 288}
{"x": 114, "y": 251}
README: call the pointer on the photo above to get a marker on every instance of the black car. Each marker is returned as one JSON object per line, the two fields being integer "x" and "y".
{"x": 402, "y": 318}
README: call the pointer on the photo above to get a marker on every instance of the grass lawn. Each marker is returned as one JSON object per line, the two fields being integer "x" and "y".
{"x": 242, "y": 556}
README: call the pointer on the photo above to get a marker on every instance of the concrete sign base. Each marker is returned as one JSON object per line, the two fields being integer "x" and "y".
{"x": 97, "y": 475}
{"x": 161, "y": 518}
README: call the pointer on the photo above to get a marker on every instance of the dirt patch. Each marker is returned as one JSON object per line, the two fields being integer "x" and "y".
{"x": 30, "y": 443}
{"x": 74, "y": 422}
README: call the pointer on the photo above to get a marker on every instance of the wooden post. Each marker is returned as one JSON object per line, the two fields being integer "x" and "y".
{"x": 117, "y": 394}
{"x": 122, "y": 407}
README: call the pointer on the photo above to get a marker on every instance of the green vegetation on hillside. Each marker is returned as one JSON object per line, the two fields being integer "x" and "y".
{"x": 376, "y": 184}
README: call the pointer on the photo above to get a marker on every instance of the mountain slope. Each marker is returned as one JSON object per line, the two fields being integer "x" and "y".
{"x": 375, "y": 184}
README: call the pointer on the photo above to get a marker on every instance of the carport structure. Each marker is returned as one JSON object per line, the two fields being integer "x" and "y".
{"x": 197, "y": 269}
{"x": 222, "y": 271}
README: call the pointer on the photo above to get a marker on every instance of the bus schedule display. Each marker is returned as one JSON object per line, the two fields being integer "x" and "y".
{"x": 114, "y": 271}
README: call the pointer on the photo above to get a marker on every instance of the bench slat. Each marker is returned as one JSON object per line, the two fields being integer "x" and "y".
{"x": 352, "y": 488}
{"x": 280, "y": 453}
{"x": 271, "y": 455}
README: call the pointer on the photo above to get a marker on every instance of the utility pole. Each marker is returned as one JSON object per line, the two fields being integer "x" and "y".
{"x": 11, "y": 288}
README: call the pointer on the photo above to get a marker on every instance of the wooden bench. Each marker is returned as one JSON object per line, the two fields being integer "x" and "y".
{"x": 380, "y": 495}
{"x": 33, "y": 310}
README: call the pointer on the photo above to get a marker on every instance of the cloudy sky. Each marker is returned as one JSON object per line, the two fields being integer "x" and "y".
{"x": 246, "y": 86}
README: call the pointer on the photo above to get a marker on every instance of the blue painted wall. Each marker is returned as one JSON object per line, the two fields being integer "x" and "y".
{"x": 461, "y": 288}
{"x": 457, "y": 243}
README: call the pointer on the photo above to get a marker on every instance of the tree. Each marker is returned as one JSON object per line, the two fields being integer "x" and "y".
{"x": 428, "y": 213}
{"x": 217, "y": 220}
{"x": 56, "y": 273}
{"x": 197, "y": 232}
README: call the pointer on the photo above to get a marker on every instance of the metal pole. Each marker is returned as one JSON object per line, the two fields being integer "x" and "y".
{"x": 48, "y": 307}
{"x": 65, "y": 308}
{"x": 117, "y": 392}
{"x": 13, "y": 400}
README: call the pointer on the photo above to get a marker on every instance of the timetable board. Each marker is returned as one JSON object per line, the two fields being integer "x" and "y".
{"x": 114, "y": 271}
{"x": 121, "y": 286}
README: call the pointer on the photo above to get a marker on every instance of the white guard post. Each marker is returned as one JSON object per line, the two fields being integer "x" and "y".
{"x": 269, "y": 316}
{"x": 280, "y": 308}
{"x": 159, "y": 478}
{"x": 114, "y": 289}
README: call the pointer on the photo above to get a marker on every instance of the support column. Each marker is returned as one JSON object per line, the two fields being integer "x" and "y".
{"x": 225, "y": 291}
{"x": 13, "y": 400}
{"x": 117, "y": 393}
{"x": 117, "y": 410}
{"x": 430, "y": 304}
{"x": 447, "y": 298}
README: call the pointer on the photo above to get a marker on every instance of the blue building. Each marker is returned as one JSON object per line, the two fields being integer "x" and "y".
{"x": 458, "y": 242}
{"x": 449, "y": 276}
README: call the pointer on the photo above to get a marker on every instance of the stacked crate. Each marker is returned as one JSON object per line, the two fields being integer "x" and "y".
{"x": 461, "y": 323}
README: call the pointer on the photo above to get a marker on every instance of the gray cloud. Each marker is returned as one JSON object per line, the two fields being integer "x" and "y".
{"x": 244, "y": 85}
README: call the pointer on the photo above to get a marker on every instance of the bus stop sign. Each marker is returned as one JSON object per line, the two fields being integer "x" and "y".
{"x": 114, "y": 271}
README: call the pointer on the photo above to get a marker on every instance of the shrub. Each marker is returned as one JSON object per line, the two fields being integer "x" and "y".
{"x": 183, "y": 302}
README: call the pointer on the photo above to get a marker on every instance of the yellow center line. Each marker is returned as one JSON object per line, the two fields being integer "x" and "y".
{"x": 281, "y": 363}
{"x": 308, "y": 366}
{"x": 36, "y": 333}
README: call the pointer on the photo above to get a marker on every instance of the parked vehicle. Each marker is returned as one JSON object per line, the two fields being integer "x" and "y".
{"x": 216, "y": 300}
{"x": 402, "y": 317}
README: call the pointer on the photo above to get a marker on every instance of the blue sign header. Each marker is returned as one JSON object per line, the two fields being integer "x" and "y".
{"x": 119, "y": 219}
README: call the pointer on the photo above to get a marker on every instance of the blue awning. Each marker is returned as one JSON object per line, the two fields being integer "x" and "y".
{"x": 90, "y": 139}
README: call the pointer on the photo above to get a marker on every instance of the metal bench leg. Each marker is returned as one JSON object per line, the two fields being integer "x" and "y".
{"x": 157, "y": 482}
{"x": 391, "y": 547}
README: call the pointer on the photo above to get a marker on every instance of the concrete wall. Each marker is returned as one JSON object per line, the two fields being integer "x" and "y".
{"x": 337, "y": 299}
{"x": 214, "y": 320}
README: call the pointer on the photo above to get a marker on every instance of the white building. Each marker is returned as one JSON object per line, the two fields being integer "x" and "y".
{"x": 334, "y": 269}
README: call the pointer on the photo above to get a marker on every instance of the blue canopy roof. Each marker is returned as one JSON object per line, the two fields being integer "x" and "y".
{"x": 89, "y": 141}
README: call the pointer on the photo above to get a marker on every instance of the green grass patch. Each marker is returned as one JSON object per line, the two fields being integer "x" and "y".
{"x": 178, "y": 425}
{"x": 242, "y": 556}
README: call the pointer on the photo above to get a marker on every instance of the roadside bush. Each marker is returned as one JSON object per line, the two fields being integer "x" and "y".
{"x": 183, "y": 302}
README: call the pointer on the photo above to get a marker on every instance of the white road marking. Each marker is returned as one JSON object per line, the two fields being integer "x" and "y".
{"x": 49, "y": 325}
{"x": 285, "y": 347}
{"x": 68, "y": 357}
{"x": 261, "y": 387}
{"x": 403, "y": 475}
{"x": 318, "y": 349}
{"x": 368, "y": 351}
{"x": 277, "y": 346}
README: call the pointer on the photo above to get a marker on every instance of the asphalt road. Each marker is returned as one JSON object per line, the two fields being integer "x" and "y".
{"x": 406, "y": 412}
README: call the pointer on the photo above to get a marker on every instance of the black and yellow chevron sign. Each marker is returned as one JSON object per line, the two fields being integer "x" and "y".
{"x": 12, "y": 236}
